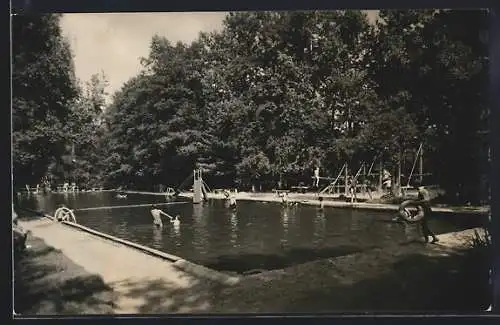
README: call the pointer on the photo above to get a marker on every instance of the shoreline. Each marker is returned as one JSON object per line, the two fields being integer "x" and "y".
{"x": 311, "y": 199}
{"x": 307, "y": 200}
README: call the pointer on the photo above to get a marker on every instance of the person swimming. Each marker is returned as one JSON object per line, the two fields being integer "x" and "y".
{"x": 321, "y": 203}
{"x": 176, "y": 221}
{"x": 286, "y": 202}
{"x": 231, "y": 199}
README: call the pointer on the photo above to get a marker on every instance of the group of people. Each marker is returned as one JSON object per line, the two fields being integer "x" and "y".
{"x": 157, "y": 221}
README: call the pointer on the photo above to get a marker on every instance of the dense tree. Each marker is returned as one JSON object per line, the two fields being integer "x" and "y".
{"x": 43, "y": 85}
{"x": 440, "y": 64}
{"x": 274, "y": 94}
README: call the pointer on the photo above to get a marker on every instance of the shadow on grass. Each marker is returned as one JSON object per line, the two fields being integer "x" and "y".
{"x": 453, "y": 283}
{"x": 413, "y": 283}
{"x": 253, "y": 263}
{"x": 47, "y": 282}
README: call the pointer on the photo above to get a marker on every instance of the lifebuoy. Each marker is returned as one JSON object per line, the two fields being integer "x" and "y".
{"x": 406, "y": 214}
{"x": 67, "y": 212}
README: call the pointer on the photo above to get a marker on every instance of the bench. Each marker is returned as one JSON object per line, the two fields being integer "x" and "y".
{"x": 300, "y": 189}
{"x": 278, "y": 192}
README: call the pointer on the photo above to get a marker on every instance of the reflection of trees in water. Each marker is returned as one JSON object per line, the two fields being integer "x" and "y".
{"x": 41, "y": 203}
{"x": 285, "y": 221}
{"x": 200, "y": 225}
{"x": 234, "y": 229}
{"x": 319, "y": 226}
{"x": 175, "y": 230}
{"x": 356, "y": 220}
{"x": 157, "y": 237}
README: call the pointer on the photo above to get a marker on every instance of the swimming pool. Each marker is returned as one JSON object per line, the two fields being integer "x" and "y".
{"x": 257, "y": 235}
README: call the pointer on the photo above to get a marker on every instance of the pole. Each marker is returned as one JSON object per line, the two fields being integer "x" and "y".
{"x": 346, "y": 180}
{"x": 398, "y": 186}
{"x": 421, "y": 164}
{"x": 380, "y": 175}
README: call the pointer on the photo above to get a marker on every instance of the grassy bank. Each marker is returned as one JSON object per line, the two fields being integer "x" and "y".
{"x": 46, "y": 283}
{"x": 381, "y": 281}
{"x": 399, "y": 278}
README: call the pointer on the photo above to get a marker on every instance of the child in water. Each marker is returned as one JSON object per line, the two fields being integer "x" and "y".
{"x": 232, "y": 201}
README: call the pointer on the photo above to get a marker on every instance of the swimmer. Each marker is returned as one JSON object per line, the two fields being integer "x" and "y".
{"x": 232, "y": 199}
{"x": 284, "y": 200}
{"x": 321, "y": 203}
{"x": 176, "y": 221}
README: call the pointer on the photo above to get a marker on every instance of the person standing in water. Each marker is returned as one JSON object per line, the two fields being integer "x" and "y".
{"x": 156, "y": 213}
{"x": 321, "y": 203}
{"x": 232, "y": 200}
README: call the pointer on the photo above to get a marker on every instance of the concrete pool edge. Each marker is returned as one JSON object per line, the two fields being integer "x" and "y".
{"x": 178, "y": 262}
{"x": 347, "y": 205}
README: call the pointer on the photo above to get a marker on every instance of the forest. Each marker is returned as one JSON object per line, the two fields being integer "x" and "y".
{"x": 264, "y": 100}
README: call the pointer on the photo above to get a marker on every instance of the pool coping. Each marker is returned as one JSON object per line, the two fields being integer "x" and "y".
{"x": 344, "y": 205}
{"x": 178, "y": 262}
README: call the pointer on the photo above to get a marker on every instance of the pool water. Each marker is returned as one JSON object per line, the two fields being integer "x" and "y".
{"x": 255, "y": 236}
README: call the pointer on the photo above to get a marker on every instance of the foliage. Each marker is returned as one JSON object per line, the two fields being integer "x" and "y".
{"x": 274, "y": 94}
{"x": 43, "y": 84}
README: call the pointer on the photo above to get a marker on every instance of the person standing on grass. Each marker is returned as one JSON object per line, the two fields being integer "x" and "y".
{"x": 316, "y": 177}
{"x": 425, "y": 212}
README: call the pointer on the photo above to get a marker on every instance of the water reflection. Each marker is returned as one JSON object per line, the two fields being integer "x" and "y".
{"x": 157, "y": 237}
{"x": 319, "y": 226}
{"x": 176, "y": 233}
{"x": 356, "y": 221}
{"x": 234, "y": 229}
{"x": 284, "y": 220}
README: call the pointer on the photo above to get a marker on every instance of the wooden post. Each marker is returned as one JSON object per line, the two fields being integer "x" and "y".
{"x": 421, "y": 164}
{"x": 398, "y": 185}
{"x": 346, "y": 180}
{"x": 380, "y": 176}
